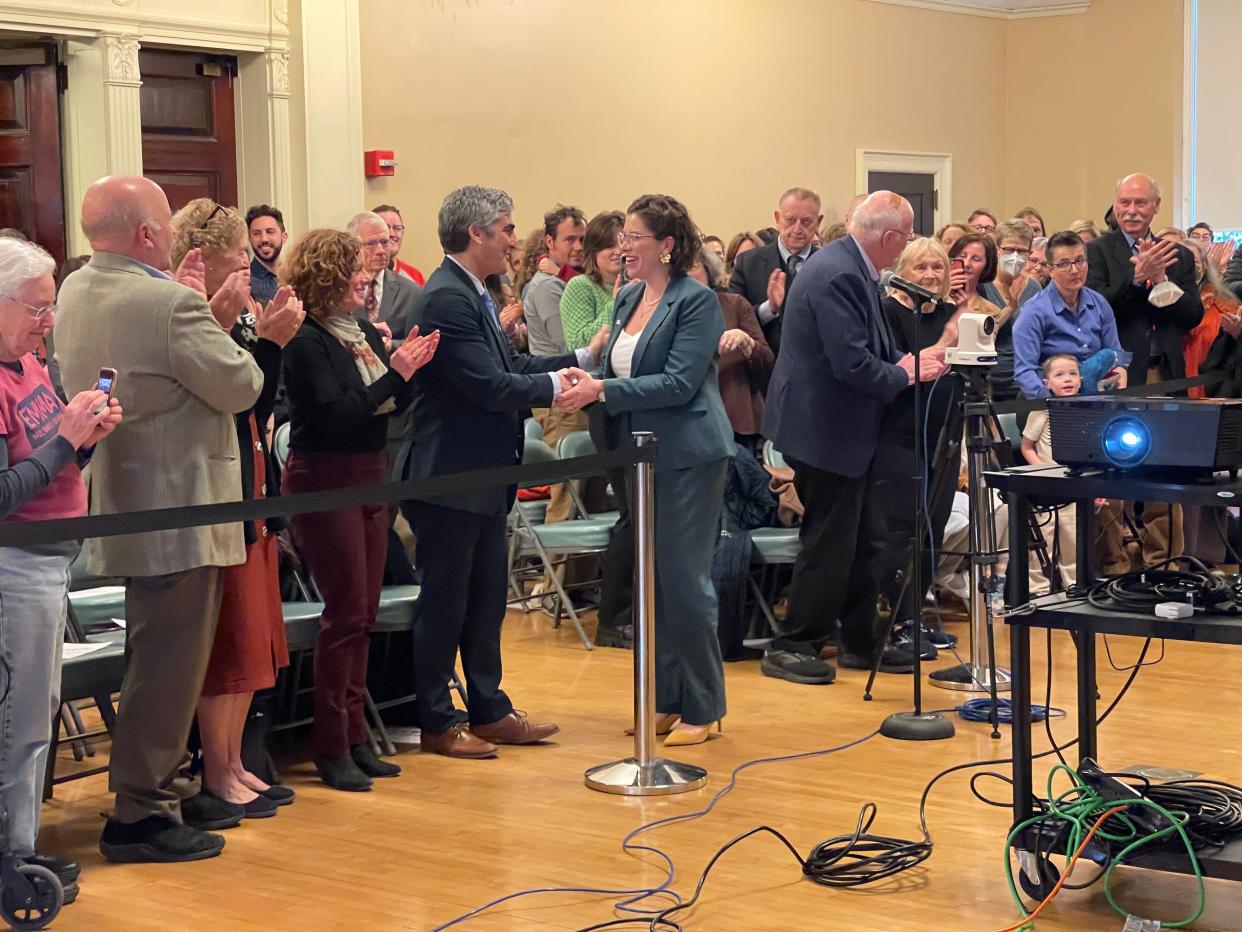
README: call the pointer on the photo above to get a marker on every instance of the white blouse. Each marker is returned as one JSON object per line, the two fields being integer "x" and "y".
{"x": 623, "y": 353}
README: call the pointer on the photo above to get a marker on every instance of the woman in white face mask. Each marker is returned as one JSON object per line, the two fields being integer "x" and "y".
{"x": 1015, "y": 282}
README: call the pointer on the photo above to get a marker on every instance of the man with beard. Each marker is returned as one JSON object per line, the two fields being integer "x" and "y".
{"x": 266, "y": 226}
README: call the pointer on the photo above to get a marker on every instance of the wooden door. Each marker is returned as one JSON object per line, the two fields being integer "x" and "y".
{"x": 31, "y": 195}
{"x": 189, "y": 140}
{"x": 919, "y": 188}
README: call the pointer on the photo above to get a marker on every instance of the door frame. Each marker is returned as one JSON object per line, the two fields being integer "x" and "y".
{"x": 937, "y": 164}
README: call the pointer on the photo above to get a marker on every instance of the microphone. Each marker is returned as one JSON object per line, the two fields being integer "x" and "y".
{"x": 915, "y": 292}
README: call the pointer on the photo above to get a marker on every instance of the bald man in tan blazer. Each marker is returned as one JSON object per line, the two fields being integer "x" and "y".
{"x": 183, "y": 377}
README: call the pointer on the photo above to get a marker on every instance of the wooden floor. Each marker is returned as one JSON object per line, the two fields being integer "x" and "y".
{"x": 447, "y": 836}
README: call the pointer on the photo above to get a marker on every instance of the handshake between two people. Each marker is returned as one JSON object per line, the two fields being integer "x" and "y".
{"x": 578, "y": 387}
{"x": 931, "y": 364}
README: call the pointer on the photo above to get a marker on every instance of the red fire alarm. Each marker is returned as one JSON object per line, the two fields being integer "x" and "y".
{"x": 379, "y": 162}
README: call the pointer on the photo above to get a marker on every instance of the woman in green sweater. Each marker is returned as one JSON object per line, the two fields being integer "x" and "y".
{"x": 586, "y": 304}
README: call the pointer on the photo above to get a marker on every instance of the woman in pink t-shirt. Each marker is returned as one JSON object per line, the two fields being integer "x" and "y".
{"x": 44, "y": 445}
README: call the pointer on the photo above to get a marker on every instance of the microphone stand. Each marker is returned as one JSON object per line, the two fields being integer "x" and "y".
{"x": 917, "y": 725}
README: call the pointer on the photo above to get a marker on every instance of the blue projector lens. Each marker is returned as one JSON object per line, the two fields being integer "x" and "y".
{"x": 1126, "y": 441}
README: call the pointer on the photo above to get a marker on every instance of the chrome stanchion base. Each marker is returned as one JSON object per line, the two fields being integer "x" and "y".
{"x": 661, "y": 777}
{"x": 971, "y": 679}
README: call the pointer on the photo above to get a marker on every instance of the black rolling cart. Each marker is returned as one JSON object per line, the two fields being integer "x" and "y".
{"x": 1020, "y": 486}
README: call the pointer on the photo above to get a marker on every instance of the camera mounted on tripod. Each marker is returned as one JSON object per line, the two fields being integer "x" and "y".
{"x": 976, "y": 341}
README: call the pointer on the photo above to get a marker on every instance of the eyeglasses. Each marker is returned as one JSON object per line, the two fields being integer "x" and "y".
{"x": 212, "y": 216}
{"x": 1201, "y": 235}
{"x": 623, "y": 237}
{"x": 373, "y": 243}
{"x": 909, "y": 237}
{"x": 1066, "y": 264}
{"x": 1024, "y": 253}
{"x": 38, "y": 312}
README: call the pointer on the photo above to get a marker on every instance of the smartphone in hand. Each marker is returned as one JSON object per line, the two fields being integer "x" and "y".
{"x": 107, "y": 382}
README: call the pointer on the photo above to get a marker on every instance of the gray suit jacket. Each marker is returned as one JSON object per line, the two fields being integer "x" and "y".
{"x": 180, "y": 379}
{"x": 396, "y": 310}
{"x": 396, "y": 305}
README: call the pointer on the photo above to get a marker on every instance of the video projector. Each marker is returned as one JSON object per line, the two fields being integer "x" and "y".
{"x": 1178, "y": 438}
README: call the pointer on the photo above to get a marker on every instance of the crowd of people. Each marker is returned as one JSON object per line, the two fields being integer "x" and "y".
{"x": 219, "y": 330}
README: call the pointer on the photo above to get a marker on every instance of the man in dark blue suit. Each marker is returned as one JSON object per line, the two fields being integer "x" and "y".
{"x": 831, "y": 382}
{"x": 467, "y": 414}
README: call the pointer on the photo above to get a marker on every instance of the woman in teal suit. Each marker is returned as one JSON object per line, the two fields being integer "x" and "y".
{"x": 659, "y": 375}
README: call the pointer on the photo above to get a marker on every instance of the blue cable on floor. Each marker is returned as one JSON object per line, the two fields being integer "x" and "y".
{"x": 637, "y": 896}
{"x": 978, "y": 710}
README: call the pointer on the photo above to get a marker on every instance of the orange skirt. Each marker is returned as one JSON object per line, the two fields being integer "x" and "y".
{"x": 250, "y": 646}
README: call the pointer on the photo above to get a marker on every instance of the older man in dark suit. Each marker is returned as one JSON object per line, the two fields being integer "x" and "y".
{"x": 1149, "y": 283}
{"x": 827, "y": 396}
{"x": 765, "y": 275}
{"x": 468, "y": 406}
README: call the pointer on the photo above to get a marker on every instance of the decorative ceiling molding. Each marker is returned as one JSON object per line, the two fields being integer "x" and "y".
{"x": 998, "y": 9}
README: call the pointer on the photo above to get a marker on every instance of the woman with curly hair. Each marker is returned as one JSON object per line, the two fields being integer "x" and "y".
{"x": 342, "y": 387}
{"x": 659, "y": 375}
{"x": 249, "y": 646}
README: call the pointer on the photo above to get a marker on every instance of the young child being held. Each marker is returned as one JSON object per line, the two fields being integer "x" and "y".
{"x": 1062, "y": 377}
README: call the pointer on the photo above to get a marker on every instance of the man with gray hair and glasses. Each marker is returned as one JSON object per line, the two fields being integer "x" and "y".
{"x": 468, "y": 408}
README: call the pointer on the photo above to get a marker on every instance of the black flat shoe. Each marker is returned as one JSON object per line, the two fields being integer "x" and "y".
{"x": 370, "y": 764}
{"x": 341, "y": 773}
{"x": 260, "y": 808}
{"x": 208, "y": 812}
{"x": 280, "y": 795}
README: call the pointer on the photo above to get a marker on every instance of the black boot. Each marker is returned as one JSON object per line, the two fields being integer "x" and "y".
{"x": 341, "y": 773}
{"x": 370, "y": 764}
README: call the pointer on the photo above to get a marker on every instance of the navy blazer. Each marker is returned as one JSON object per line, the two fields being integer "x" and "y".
{"x": 672, "y": 390}
{"x": 469, "y": 401}
{"x": 1110, "y": 272}
{"x": 836, "y": 371}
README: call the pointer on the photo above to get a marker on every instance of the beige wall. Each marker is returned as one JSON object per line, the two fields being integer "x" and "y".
{"x": 718, "y": 102}
{"x": 1068, "y": 141}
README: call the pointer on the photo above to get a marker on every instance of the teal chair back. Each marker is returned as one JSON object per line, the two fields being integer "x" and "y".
{"x": 536, "y": 451}
{"x": 280, "y": 443}
{"x": 532, "y": 429}
{"x": 1009, "y": 424}
{"x": 772, "y": 456}
{"x": 576, "y": 444}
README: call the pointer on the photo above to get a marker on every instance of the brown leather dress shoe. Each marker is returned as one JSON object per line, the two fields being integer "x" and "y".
{"x": 515, "y": 728}
{"x": 458, "y": 741}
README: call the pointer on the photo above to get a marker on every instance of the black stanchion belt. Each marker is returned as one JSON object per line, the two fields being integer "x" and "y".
{"x": 1026, "y": 405}
{"x": 26, "y": 533}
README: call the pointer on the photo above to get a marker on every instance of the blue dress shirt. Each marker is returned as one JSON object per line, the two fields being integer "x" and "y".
{"x": 1047, "y": 327}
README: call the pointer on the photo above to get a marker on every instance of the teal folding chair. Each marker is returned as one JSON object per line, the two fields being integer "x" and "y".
{"x": 572, "y": 446}
{"x": 533, "y": 539}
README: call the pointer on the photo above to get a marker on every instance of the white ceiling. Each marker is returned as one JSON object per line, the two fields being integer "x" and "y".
{"x": 999, "y": 9}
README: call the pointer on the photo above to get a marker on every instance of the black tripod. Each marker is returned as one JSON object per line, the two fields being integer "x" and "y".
{"x": 984, "y": 451}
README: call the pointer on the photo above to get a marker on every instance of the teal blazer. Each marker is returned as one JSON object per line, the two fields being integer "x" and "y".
{"x": 672, "y": 390}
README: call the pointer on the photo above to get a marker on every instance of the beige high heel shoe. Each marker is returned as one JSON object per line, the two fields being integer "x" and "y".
{"x": 664, "y": 724}
{"x": 684, "y": 734}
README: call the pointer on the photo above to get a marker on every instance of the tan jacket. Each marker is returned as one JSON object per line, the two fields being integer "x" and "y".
{"x": 181, "y": 379}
